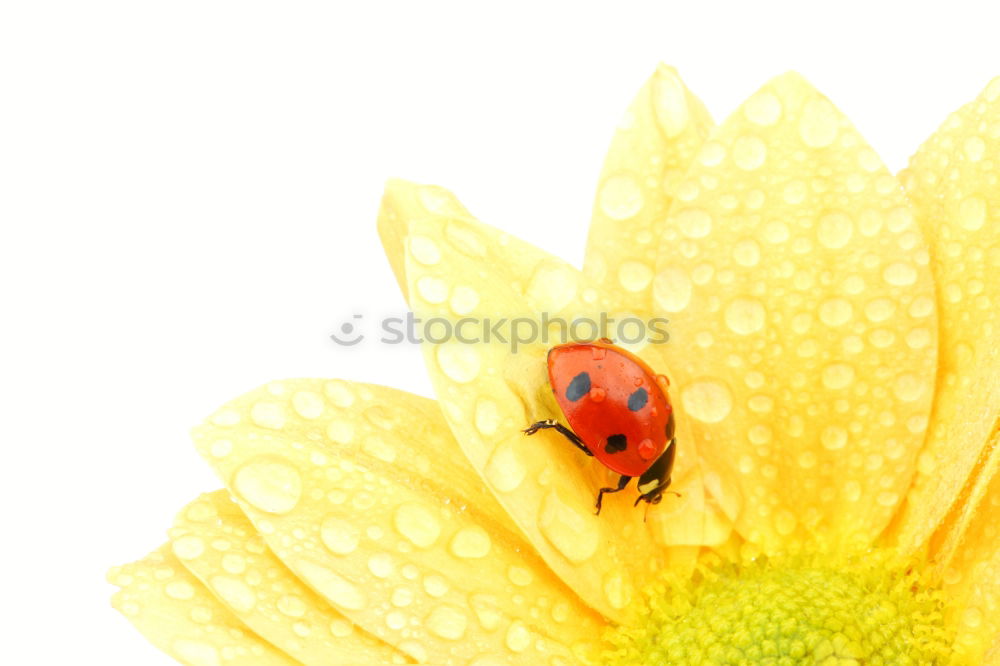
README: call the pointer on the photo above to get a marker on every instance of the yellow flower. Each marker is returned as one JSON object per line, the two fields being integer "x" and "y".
{"x": 834, "y": 361}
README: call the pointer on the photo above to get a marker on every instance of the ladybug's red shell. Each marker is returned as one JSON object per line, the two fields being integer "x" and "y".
{"x": 614, "y": 402}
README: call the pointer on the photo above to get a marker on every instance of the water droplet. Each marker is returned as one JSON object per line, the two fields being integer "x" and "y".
{"x": 710, "y": 154}
{"x": 380, "y": 564}
{"x": 379, "y": 449}
{"x": 672, "y": 289}
{"x": 340, "y": 431}
{"x": 463, "y": 300}
{"x": 487, "y": 417}
{"x": 181, "y": 590}
{"x": 402, "y": 597}
{"x": 746, "y": 252}
{"x": 471, "y": 542}
{"x": 447, "y": 622}
{"x": 339, "y": 393}
{"x": 569, "y": 530}
{"x": 519, "y": 576}
{"x": 188, "y": 547}
{"x": 833, "y": 437}
{"x": 291, "y": 605}
{"x": 836, "y": 312}
{"x": 775, "y": 232}
{"x": 485, "y": 607}
{"x": 670, "y": 102}
{"x": 908, "y": 387}
{"x": 900, "y": 274}
{"x": 339, "y": 536}
{"x": 226, "y": 418}
{"x": 337, "y": 589}
{"x": 838, "y": 376}
{"x": 972, "y": 213}
{"x": 975, "y": 148}
{"x": 518, "y": 636}
{"x": 459, "y": 362}
{"x": 634, "y": 276}
{"x": 432, "y": 289}
{"x": 195, "y": 653}
{"x": 418, "y": 524}
{"x": 745, "y": 316}
{"x": 552, "y": 287}
{"x": 504, "y": 470}
{"x": 234, "y": 563}
{"x": 763, "y": 108}
{"x": 818, "y": 125}
{"x": 424, "y": 250}
{"x": 972, "y": 617}
{"x": 617, "y": 589}
{"x": 749, "y": 152}
{"x": 785, "y": 522}
{"x": 880, "y": 309}
{"x": 693, "y": 222}
{"x": 268, "y": 415}
{"x": 887, "y": 499}
{"x": 238, "y": 595}
{"x": 708, "y": 400}
{"x": 307, "y": 404}
{"x": 341, "y": 628}
{"x": 620, "y": 197}
{"x": 852, "y": 491}
{"x": 835, "y": 230}
{"x": 269, "y": 484}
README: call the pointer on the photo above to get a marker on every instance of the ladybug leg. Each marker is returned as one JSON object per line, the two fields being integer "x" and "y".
{"x": 622, "y": 482}
{"x": 561, "y": 429}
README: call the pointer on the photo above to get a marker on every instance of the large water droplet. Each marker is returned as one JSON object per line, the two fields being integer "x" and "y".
{"x": 620, "y": 197}
{"x": 339, "y": 536}
{"x": 835, "y": 230}
{"x": 634, "y": 276}
{"x": 337, "y": 589}
{"x": 504, "y": 470}
{"x": 518, "y": 636}
{"x": 235, "y": 593}
{"x": 749, "y": 152}
{"x": 836, "y": 311}
{"x": 460, "y": 362}
{"x": 617, "y": 589}
{"x": 418, "y": 524}
{"x": 269, "y": 484}
{"x": 818, "y": 124}
{"x": 672, "y": 289}
{"x": 833, "y": 437}
{"x": 572, "y": 532}
{"x": 763, "y": 109}
{"x": 745, "y": 316}
{"x": 447, "y": 622}
{"x": 708, "y": 400}
{"x": 670, "y": 102}
{"x": 693, "y": 222}
{"x": 268, "y": 415}
{"x": 424, "y": 250}
{"x": 972, "y": 213}
{"x": 552, "y": 287}
{"x": 471, "y": 542}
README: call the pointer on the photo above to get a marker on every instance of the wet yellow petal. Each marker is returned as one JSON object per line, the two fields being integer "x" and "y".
{"x": 655, "y": 141}
{"x": 172, "y": 609}
{"x": 490, "y": 391}
{"x": 363, "y": 493}
{"x": 214, "y": 540}
{"x": 973, "y": 576}
{"x": 954, "y": 182}
{"x": 803, "y": 326}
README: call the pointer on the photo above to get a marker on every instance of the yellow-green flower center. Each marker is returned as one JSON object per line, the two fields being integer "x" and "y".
{"x": 806, "y": 611}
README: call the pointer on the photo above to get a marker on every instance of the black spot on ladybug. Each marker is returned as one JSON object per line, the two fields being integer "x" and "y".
{"x": 579, "y": 387}
{"x": 638, "y": 399}
{"x": 616, "y": 444}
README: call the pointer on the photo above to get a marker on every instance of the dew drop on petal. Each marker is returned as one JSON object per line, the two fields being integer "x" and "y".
{"x": 838, "y": 376}
{"x": 672, "y": 289}
{"x": 835, "y": 230}
{"x": 460, "y": 362}
{"x": 693, "y": 222}
{"x": 471, "y": 543}
{"x": 747, "y": 252}
{"x": 418, "y": 524}
{"x": 836, "y": 311}
{"x": 708, "y": 401}
{"x": 432, "y": 289}
{"x": 763, "y": 108}
{"x": 908, "y": 387}
{"x": 972, "y": 213}
{"x": 307, "y": 404}
{"x": 620, "y": 197}
{"x": 196, "y": 653}
{"x": 339, "y": 536}
{"x": 188, "y": 547}
{"x": 749, "y": 152}
{"x": 745, "y": 316}
{"x": 504, "y": 470}
{"x": 670, "y": 103}
{"x": 818, "y": 125}
{"x": 424, "y": 250}
{"x": 634, "y": 276}
{"x": 237, "y": 594}
{"x": 900, "y": 274}
{"x": 833, "y": 437}
{"x": 268, "y": 415}
{"x": 617, "y": 589}
{"x": 568, "y": 529}
{"x": 518, "y": 637}
{"x": 269, "y": 484}
{"x": 447, "y": 622}
{"x": 332, "y": 585}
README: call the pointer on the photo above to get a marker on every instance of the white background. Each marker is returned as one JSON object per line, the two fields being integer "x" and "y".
{"x": 188, "y": 194}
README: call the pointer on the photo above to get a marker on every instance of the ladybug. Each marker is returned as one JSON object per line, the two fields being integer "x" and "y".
{"x": 618, "y": 411}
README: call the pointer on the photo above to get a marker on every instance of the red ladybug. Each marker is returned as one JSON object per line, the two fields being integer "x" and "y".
{"x": 618, "y": 410}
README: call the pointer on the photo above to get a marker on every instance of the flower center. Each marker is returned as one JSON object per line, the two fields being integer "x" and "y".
{"x": 804, "y": 611}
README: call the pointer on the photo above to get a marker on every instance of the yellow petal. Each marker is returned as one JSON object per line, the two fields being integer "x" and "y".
{"x": 172, "y": 609}
{"x": 363, "y": 493}
{"x": 803, "y": 325}
{"x": 655, "y": 141}
{"x": 490, "y": 391}
{"x": 953, "y": 182}
{"x": 214, "y": 540}
{"x": 972, "y": 578}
